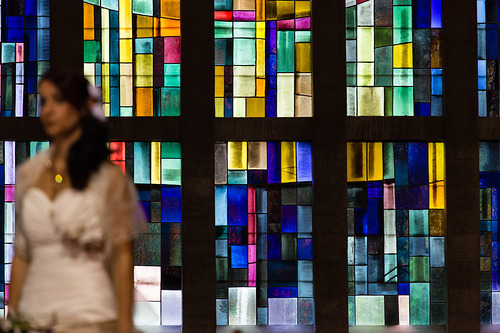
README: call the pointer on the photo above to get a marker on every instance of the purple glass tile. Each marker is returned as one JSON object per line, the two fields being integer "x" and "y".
{"x": 303, "y": 23}
{"x": 244, "y": 16}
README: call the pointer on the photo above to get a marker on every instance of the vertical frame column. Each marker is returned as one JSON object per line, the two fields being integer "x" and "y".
{"x": 330, "y": 166}
{"x": 66, "y": 34}
{"x": 197, "y": 144}
{"x": 462, "y": 165}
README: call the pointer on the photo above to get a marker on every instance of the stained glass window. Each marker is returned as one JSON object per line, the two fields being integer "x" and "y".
{"x": 487, "y": 47}
{"x": 132, "y": 51}
{"x": 24, "y": 54}
{"x": 394, "y": 58}
{"x": 489, "y": 183}
{"x": 396, "y": 227}
{"x": 262, "y": 58}
{"x": 264, "y": 257}
{"x": 156, "y": 170}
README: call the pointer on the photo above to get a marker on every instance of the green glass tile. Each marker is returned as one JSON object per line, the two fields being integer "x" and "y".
{"x": 350, "y": 17}
{"x": 350, "y": 288}
{"x": 170, "y": 101}
{"x": 126, "y": 111}
{"x": 244, "y": 29}
{"x": 143, "y": 7}
{"x": 171, "y": 171}
{"x": 238, "y": 277}
{"x": 388, "y": 160}
{"x": 370, "y": 310}
{"x": 419, "y": 222}
{"x": 351, "y": 74}
{"x": 172, "y": 75}
{"x": 156, "y": 212}
{"x": 438, "y": 292}
{"x": 93, "y": 2}
{"x": 403, "y": 101}
{"x": 485, "y": 206}
{"x": 288, "y": 247}
{"x": 286, "y": 52}
{"x": 383, "y": 66}
{"x": 383, "y": 36}
{"x": 91, "y": 51}
{"x": 289, "y": 196}
{"x": 144, "y": 45}
{"x": 237, "y": 177}
{"x": 485, "y": 281}
{"x": 147, "y": 249}
{"x": 388, "y": 101}
{"x": 223, "y": 29}
{"x": 438, "y": 274}
{"x": 170, "y": 150}
{"x": 302, "y": 36}
{"x": 419, "y": 304}
{"x": 351, "y": 311}
{"x": 221, "y": 269}
{"x": 419, "y": 269}
{"x": 350, "y": 273}
{"x": 402, "y": 2}
{"x": 221, "y": 232}
{"x": 110, "y": 4}
{"x": 244, "y": 52}
{"x": 142, "y": 167}
{"x": 438, "y": 314}
{"x": 304, "y": 195}
{"x": 221, "y": 290}
{"x": 175, "y": 244}
{"x": 403, "y": 77}
{"x": 402, "y": 35}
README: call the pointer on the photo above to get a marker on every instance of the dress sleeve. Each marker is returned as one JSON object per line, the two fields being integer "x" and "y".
{"x": 20, "y": 241}
{"x": 125, "y": 217}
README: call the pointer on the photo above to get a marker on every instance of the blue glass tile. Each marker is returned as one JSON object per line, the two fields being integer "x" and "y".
{"x": 146, "y": 207}
{"x": 304, "y": 219}
{"x": 419, "y": 246}
{"x": 271, "y": 98}
{"x": 375, "y": 216}
{"x": 375, "y": 189}
{"x": 401, "y": 172}
{"x": 413, "y": 197}
{"x": 494, "y": 203}
{"x": 237, "y": 205}
{"x": 282, "y": 273}
{"x": 289, "y": 218}
{"x": 404, "y": 288}
{"x": 257, "y": 177}
{"x": 271, "y": 65}
{"x": 489, "y": 179}
{"x": 418, "y": 172}
{"x": 437, "y": 81}
{"x": 304, "y": 161}
{"x": 144, "y": 195}
{"x": 492, "y": 43}
{"x": 360, "y": 221}
{"x": 171, "y": 204}
{"x": 228, "y": 107}
{"x": 220, "y": 205}
{"x": 423, "y": 13}
{"x": 282, "y": 292}
{"x": 304, "y": 249}
{"x": 422, "y": 109}
{"x": 436, "y": 105}
{"x": 436, "y": 14}
{"x": 30, "y": 7}
{"x": 274, "y": 247}
{"x": 223, "y": 4}
{"x": 239, "y": 256}
{"x": 273, "y": 162}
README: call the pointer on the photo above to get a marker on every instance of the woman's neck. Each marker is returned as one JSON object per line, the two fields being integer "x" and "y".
{"x": 61, "y": 146}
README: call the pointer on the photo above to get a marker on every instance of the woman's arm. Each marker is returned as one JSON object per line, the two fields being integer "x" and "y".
{"x": 123, "y": 277}
{"x": 19, "y": 269}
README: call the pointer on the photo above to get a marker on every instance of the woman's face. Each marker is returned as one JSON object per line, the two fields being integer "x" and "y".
{"x": 59, "y": 117}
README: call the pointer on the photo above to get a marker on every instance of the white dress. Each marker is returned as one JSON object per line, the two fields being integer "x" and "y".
{"x": 68, "y": 241}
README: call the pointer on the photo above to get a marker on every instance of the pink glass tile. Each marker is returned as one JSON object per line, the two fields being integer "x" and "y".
{"x": 19, "y": 52}
{"x": 252, "y": 275}
{"x": 303, "y": 23}
{"x": 244, "y": 16}
{"x": 10, "y": 193}
{"x": 389, "y": 196}
{"x": 252, "y": 228}
{"x": 172, "y": 50}
{"x": 286, "y": 25}
{"x": 251, "y": 200}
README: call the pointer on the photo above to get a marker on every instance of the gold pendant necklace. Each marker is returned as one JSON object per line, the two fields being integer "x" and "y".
{"x": 58, "y": 177}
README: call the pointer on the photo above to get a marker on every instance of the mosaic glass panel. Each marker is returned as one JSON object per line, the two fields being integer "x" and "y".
{"x": 155, "y": 168}
{"x": 24, "y": 45}
{"x": 132, "y": 51}
{"x": 396, "y": 227}
{"x": 394, "y": 58}
{"x": 487, "y": 66}
{"x": 263, "y": 217}
{"x": 489, "y": 186}
{"x": 262, "y": 58}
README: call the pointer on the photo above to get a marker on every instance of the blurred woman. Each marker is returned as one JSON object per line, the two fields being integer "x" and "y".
{"x": 75, "y": 212}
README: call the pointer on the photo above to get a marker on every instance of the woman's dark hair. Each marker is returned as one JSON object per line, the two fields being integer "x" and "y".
{"x": 90, "y": 150}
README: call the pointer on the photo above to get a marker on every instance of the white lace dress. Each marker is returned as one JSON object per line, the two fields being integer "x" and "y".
{"x": 67, "y": 242}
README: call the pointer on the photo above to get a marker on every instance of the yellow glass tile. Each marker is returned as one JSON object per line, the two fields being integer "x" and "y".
{"x": 126, "y": 50}
{"x": 106, "y": 108}
{"x": 485, "y": 264}
{"x": 271, "y": 11}
{"x": 125, "y": 18}
{"x": 260, "y": 10}
{"x": 89, "y": 72}
{"x": 261, "y": 30}
{"x": 219, "y": 107}
{"x": 257, "y": 155}
{"x": 288, "y": 162}
{"x": 403, "y": 55}
{"x": 88, "y": 21}
{"x": 302, "y": 8}
{"x": 356, "y": 161}
{"x": 286, "y": 95}
{"x": 105, "y": 83}
{"x": 256, "y": 107}
{"x": 261, "y": 87}
{"x": 155, "y": 163}
{"x": 170, "y": 28}
{"x": 237, "y": 155}
{"x": 145, "y": 26}
{"x": 171, "y": 8}
{"x": 303, "y": 57}
{"x": 261, "y": 58}
{"x": 370, "y": 101}
{"x": 244, "y": 81}
{"x": 144, "y": 70}
{"x": 105, "y": 34}
{"x": 144, "y": 102}
{"x": 436, "y": 222}
{"x": 156, "y": 27}
{"x": 436, "y": 175}
{"x": 366, "y": 74}
{"x": 219, "y": 81}
{"x": 485, "y": 205}
{"x": 365, "y": 44}
{"x": 375, "y": 161}
{"x": 126, "y": 85}
{"x": 243, "y": 4}
{"x": 285, "y": 10}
